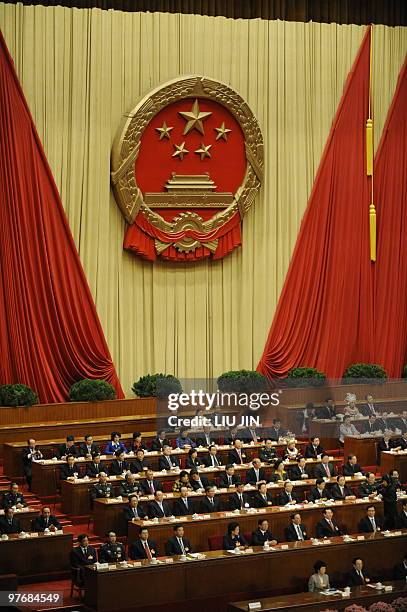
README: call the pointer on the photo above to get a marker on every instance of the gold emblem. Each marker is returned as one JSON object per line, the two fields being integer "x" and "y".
{"x": 222, "y": 132}
{"x": 204, "y": 151}
{"x": 164, "y": 131}
{"x": 180, "y": 150}
{"x": 194, "y": 118}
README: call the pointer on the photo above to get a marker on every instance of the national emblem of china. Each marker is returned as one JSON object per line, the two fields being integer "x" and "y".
{"x": 186, "y": 166}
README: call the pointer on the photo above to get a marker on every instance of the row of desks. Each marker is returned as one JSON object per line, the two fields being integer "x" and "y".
{"x": 222, "y": 574}
{"x": 26, "y": 515}
{"x": 108, "y": 514}
{"x": 76, "y": 496}
{"x": 36, "y": 555}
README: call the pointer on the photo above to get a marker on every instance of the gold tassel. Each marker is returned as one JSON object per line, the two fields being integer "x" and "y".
{"x": 372, "y": 219}
{"x": 369, "y": 147}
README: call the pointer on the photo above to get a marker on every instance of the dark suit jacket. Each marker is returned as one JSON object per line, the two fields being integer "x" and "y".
{"x": 325, "y": 412}
{"x": 208, "y": 461}
{"x": 365, "y": 525}
{"x": 138, "y": 466}
{"x": 109, "y": 553}
{"x": 201, "y": 441}
{"x": 163, "y": 462}
{"x": 192, "y": 463}
{"x": 234, "y": 457}
{"x": 251, "y": 476}
{"x": 195, "y": 485}
{"x": 137, "y": 550}
{"x": 39, "y": 523}
{"x": 127, "y": 490}
{"x": 229, "y": 542}
{"x": 258, "y": 538}
{"x": 78, "y": 559}
{"x": 83, "y": 449}
{"x": 355, "y": 580}
{"x": 315, "y": 495}
{"x": 154, "y": 510}
{"x": 283, "y": 498}
{"x": 9, "y": 499}
{"x": 63, "y": 450}
{"x": 336, "y": 492}
{"x": 206, "y": 506}
{"x": 267, "y": 455}
{"x": 157, "y": 445}
{"x": 273, "y": 434}
{"x": 296, "y": 473}
{"x": 129, "y": 514}
{"x": 311, "y": 453}
{"x": 116, "y": 470}
{"x": 320, "y": 470}
{"x": 144, "y": 486}
{"x": 291, "y": 534}
{"x": 5, "y": 527}
{"x": 400, "y": 572}
{"x": 351, "y": 470}
{"x": 401, "y": 423}
{"x": 366, "y": 410}
{"x": 172, "y": 547}
{"x": 366, "y": 489}
{"x": 180, "y": 508}
{"x": 235, "y": 504}
{"x": 324, "y": 529}
{"x": 224, "y": 480}
{"x": 372, "y": 427}
{"x": 93, "y": 473}
{"x": 66, "y": 471}
{"x": 402, "y": 520}
{"x": 260, "y": 502}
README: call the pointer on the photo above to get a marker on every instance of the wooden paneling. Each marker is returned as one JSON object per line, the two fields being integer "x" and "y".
{"x": 41, "y": 555}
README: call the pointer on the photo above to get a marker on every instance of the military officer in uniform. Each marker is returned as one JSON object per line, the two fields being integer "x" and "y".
{"x": 13, "y": 497}
{"x": 368, "y": 488}
{"x": 102, "y": 488}
{"x": 129, "y": 486}
{"x": 112, "y": 551}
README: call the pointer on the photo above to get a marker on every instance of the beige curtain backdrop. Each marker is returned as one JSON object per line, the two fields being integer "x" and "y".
{"x": 82, "y": 70}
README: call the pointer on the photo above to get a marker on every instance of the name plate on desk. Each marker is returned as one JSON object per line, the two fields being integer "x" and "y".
{"x": 255, "y": 605}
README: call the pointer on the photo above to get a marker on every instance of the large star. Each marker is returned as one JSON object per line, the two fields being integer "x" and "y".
{"x": 180, "y": 150}
{"x": 194, "y": 118}
{"x": 164, "y": 131}
{"x": 222, "y": 132}
{"x": 204, "y": 151}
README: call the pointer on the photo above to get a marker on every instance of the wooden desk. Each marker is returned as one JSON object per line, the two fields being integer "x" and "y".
{"x": 25, "y": 516}
{"x": 76, "y": 497}
{"x": 222, "y": 574}
{"x": 394, "y": 461}
{"x": 365, "y": 449}
{"x": 35, "y": 556}
{"x": 315, "y": 602}
{"x": 108, "y": 515}
{"x": 198, "y": 531}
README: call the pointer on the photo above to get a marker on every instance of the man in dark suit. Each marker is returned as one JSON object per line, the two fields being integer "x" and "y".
{"x": 314, "y": 449}
{"x": 327, "y": 527}
{"x": 287, "y": 496}
{"x": 237, "y": 454}
{"x": 319, "y": 492}
{"x": 68, "y": 448}
{"x": 148, "y": 485}
{"x": 178, "y": 544}
{"x": 211, "y": 459}
{"x": 13, "y": 497}
{"x": 262, "y": 498}
{"x": 80, "y": 556}
{"x": 368, "y": 409}
{"x": 88, "y": 448}
{"x": 119, "y": 465}
{"x": 299, "y": 471}
{"x": 325, "y": 469}
{"x": 372, "y": 425}
{"x": 113, "y": 551}
{"x": 276, "y": 432}
{"x": 143, "y": 547}
{"x": 96, "y": 466}
{"x": 133, "y": 510}
{"x": 210, "y": 502}
{"x": 352, "y": 467}
{"x": 357, "y": 576}
{"x": 401, "y": 443}
{"x": 183, "y": 506}
{"x": 401, "y": 521}
{"x": 129, "y": 486}
{"x": 102, "y": 489}
{"x": 401, "y": 421}
{"x": 239, "y": 500}
{"x": 400, "y": 570}
{"x": 327, "y": 411}
{"x": 370, "y": 523}
{"x": 8, "y": 523}
{"x": 140, "y": 463}
{"x": 167, "y": 461}
{"x": 160, "y": 441}
{"x": 263, "y": 534}
{"x": 267, "y": 453}
{"x": 70, "y": 470}
{"x": 385, "y": 444}
{"x": 46, "y": 521}
{"x": 29, "y": 454}
{"x": 158, "y": 508}
{"x": 340, "y": 489}
{"x": 256, "y": 474}
{"x": 228, "y": 478}
{"x": 197, "y": 481}
{"x": 296, "y": 530}
{"x": 368, "y": 488}
{"x": 206, "y": 438}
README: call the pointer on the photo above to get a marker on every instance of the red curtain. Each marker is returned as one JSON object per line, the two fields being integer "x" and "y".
{"x": 50, "y": 334}
{"x": 324, "y": 317}
{"x": 390, "y": 187}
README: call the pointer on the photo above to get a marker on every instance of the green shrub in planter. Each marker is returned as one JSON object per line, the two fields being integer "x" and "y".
{"x": 305, "y": 377}
{"x": 405, "y": 372}
{"x": 242, "y": 381}
{"x": 365, "y": 370}
{"x": 156, "y": 385}
{"x": 88, "y": 390}
{"x": 17, "y": 395}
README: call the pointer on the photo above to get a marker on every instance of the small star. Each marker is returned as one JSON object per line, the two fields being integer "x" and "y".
{"x": 204, "y": 151}
{"x": 164, "y": 131}
{"x": 222, "y": 132}
{"x": 194, "y": 118}
{"x": 180, "y": 150}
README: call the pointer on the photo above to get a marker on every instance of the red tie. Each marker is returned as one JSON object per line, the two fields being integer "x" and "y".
{"x": 327, "y": 470}
{"x": 148, "y": 551}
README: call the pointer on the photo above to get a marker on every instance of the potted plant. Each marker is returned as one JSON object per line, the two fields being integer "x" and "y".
{"x": 88, "y": 390}
{"x": 305, "y": 377}
{"x": 17, "y": 395}
{"x": 242, "y": 381}
{"x": 365, "y": 372}
{"x": 156, "y": 385}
